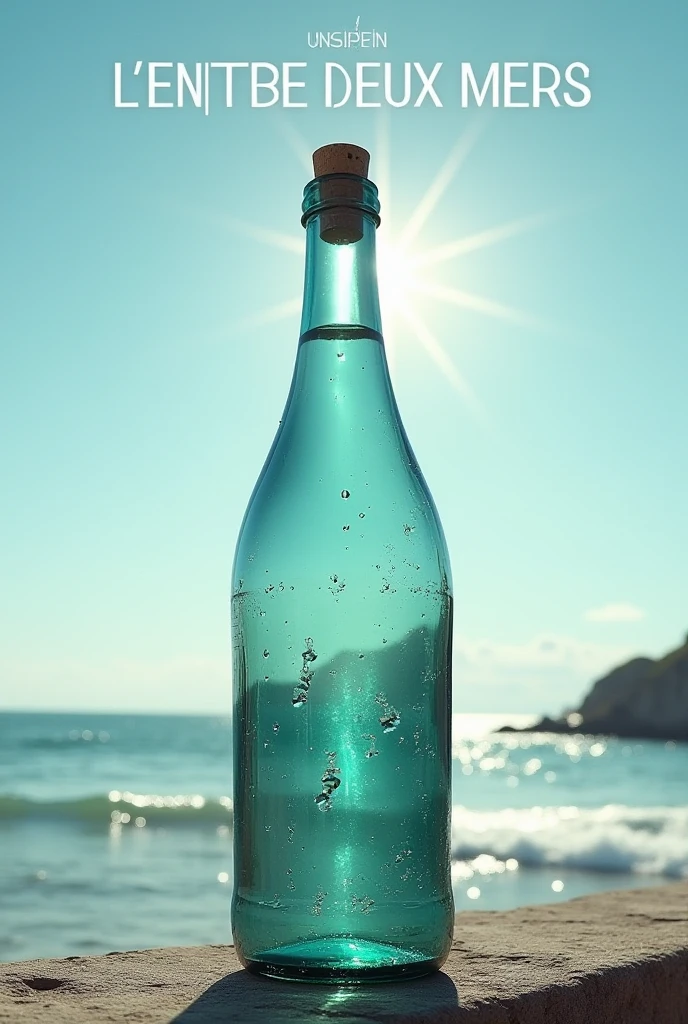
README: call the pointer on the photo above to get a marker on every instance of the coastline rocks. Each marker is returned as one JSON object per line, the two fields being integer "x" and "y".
{"x": 642, "y": 699}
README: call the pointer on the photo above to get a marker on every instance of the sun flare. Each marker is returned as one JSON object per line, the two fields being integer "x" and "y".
{"x": 402, "y": 262}
{"x": 395, "y": 276}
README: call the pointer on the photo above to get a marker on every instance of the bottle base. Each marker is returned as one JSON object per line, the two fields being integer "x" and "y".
{"x": 341, "y": 960}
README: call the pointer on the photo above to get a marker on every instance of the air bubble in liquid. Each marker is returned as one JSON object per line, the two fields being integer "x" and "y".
{"x": 346, "y": 494}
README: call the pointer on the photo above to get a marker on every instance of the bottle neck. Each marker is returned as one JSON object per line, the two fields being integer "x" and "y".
{"x": 340, "y": 288}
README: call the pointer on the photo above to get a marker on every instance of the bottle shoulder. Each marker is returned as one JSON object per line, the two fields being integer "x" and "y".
{"x": 323, "y": 531}
{"x": 341, "y": 475}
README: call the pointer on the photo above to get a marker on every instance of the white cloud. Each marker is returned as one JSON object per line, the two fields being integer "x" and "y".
{"x": 622, "y": 612}
{"x": 546, "y": 673}
{"x": 542, "y": 651}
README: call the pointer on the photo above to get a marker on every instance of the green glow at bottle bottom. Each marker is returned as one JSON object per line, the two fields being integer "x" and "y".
{"x": 341, "y": 959}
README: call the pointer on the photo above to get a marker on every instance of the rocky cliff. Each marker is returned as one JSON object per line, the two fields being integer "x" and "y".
{"x": 643, "y": 699}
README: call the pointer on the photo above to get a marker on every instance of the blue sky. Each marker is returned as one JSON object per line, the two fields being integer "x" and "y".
{"x": 139, "y": 396}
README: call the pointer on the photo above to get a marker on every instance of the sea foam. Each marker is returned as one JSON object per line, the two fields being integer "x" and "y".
{"x": 643, "y": 840}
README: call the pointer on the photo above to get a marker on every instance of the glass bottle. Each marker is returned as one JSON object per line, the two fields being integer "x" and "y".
{"x": 341, "y": 637}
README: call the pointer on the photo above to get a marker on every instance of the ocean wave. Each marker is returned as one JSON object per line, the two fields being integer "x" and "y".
{"x": 69, "y": 740}
{"x": 121, "y": 807}
{"x": 642, "y": 840}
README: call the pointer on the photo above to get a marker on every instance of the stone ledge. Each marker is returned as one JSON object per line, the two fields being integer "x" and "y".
{"x": 614, "y": 958}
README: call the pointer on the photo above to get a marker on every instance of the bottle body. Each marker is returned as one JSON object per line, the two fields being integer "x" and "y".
{"x": 342, "y": 627}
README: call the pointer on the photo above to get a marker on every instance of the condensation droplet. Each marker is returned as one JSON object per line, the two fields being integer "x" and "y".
{"x": 331, "y": 781}
{"x": 390, "y": 720}
{"x": 319, "y": 899}
{"x": 362, "y": 903}
{"x": 371, "y": 752}
{"x": 361, "y": 515}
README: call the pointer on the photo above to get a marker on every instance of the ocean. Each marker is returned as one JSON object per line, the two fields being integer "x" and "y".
{"x": 116, "y": 830}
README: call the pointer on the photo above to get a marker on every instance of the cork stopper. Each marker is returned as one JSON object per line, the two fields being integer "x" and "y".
{"x": 341, "y": 225}
{"x": 341, "y": 158}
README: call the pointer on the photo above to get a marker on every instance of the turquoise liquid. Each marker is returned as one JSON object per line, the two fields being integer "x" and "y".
{"x": 342, "y": 624}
